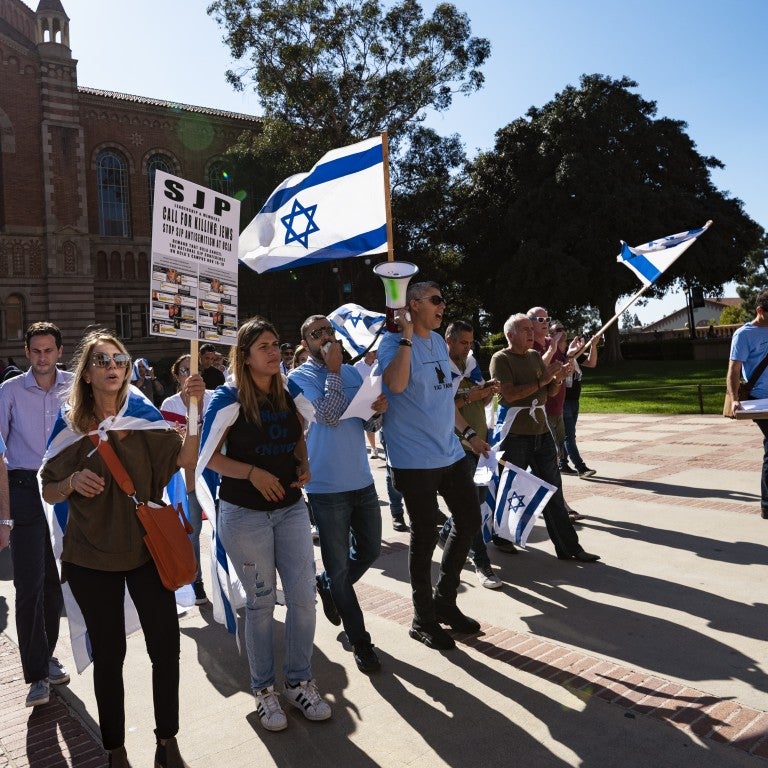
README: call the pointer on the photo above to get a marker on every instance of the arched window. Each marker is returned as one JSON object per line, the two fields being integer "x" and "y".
{"x": 115, "y": 266}
{"x": 101, "y": 265}
{"x": 112, "y": 190}
{"x": 143, "y": 267}
{"x": 13, "y": 318}
{"x": 129, "y": 267}
{"x": 156, "y": 163}
{"x": 219, "y": 177}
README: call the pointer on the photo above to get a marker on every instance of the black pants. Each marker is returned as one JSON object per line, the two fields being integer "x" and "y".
{"x": 100, "y": 596}
{"x": 420, "y": 488}
{"x": 39, "y": 602}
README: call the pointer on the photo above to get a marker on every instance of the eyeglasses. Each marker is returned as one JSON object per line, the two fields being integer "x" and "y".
{"x": 540, "y": 319}
{"x": 183, "y": 371}
{"x": 436, "y": 300}
{"x": 326, "y": 329}
{"x": 102, "y": 360}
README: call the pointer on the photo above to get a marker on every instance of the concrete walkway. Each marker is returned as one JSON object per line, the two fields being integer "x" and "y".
{"x": 655, "y": 656}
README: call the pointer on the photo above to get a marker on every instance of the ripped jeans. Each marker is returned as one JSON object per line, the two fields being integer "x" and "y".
{"x": 258, "y": 543}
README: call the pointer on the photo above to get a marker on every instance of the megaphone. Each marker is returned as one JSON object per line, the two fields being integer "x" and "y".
{"x": 395, "y": 275}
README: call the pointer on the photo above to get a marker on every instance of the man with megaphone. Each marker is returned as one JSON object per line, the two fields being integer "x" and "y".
{"x": 427, "y": 458}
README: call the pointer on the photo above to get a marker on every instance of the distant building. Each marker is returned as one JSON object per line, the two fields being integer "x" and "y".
{"x": 702, "y": 316}
{"x": 77, "y": 172}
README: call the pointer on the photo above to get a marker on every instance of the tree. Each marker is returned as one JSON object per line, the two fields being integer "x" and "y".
{"x": 565, "y": 183}
{"x": 346, "y": 69}
{"x": 755, "y": 280}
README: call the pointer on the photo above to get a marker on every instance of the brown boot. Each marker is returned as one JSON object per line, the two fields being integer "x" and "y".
{"x": 168, "y": 756}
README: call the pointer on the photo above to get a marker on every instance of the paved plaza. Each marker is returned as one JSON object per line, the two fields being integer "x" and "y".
{"x": 655, "y": 656}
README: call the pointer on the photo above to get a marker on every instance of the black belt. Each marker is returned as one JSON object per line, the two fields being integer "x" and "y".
{"x": 21, "y": 473}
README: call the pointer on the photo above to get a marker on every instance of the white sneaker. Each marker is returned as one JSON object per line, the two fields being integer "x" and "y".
{"x": 305, "y": 696}
{"x": 487, "y": 577}
{"x": 57, "y": 675}
{"x": 39, "y": 693}
{"x": 268, "y": 709}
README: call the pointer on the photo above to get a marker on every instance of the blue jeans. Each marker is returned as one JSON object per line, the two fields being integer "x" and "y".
{"x": 349, "y": 523}
{"x": 195, "y": 512}
{"x": 39, "y": 602}
{"x": 394, "y": 496}
{"x": 570, "y": 417}
{"x": 539, "y": 453}
{"x": 258, "y": 543}
{"x": 420, "y": 488}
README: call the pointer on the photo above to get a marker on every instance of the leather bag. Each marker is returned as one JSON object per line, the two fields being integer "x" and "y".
{"x": 745, "y": 389}
{"x": 166, "y": 528}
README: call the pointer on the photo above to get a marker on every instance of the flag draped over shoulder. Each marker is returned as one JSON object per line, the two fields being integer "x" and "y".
{"x": 649, "y": 260}
{"x": 520, "y": 499}
{"x": 356, "y": 327}
{"x": 335, "y": 211}
{"x": 136, "y": 413}
{"x": 226, "y": 590}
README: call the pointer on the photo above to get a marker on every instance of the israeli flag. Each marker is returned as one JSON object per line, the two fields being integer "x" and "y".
{"x": 335, "y": 211}
{"x": 520, "y": 499}
{"x": 356, "y": 327}
{"x": 649, "y": 260}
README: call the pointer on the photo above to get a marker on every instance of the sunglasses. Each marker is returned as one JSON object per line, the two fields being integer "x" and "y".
{"x": 436, "y": 300}
{"x": 183, "y": 371}
{"x": 325, "y": 330}
{"x": 540, "y": 319}
{"x": 102, "y": 360}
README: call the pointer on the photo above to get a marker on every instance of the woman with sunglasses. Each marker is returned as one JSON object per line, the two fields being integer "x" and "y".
{"x": 174, "y": 410}
{"x": 103, "y": 548}
{"x": 253, "y": 438}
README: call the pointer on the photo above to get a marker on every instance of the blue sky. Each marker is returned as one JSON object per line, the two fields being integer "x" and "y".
{"x": 703, "y": 62}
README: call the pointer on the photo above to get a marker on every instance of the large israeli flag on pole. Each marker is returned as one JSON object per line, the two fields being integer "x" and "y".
{"x": 649, "y": 260}
{"x": 335, "y": 211}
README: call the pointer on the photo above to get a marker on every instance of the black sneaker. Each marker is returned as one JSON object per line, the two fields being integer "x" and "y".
{"x": 504, "y": 545}
{"x": 432, "y": 635}
{"x": 329, "y": 607}
{"x": 200, "y": 597}
{"x": 365, "y": 657}
{"x": 567, "y": 469}
{"x": 455, "y": 619}
{"x": 399, "y": 524}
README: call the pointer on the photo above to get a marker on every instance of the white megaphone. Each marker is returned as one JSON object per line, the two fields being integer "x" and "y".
{"x": 395, "y": 275}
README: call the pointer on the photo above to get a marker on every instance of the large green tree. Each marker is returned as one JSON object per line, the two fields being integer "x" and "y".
{"x": 545, "y": 209}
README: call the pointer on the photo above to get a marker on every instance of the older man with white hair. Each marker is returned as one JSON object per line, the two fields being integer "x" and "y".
{"x": 526, "y": 381}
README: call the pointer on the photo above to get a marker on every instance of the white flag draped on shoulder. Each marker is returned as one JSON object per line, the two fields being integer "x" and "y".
{"x": 520, "y": 499}
{"x": 649, "y": 260}
{"x": 356, "y": 327}
{"x": 335, "y": 211}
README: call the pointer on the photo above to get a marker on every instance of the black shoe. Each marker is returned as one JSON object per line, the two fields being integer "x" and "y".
{"x": 365, "y": 657}
{"x": 764, "y": 513}
{"x": 200, "y": 597}
{"x": 399, "y": 524}
{"x": 582, "y": 557}
{"x": 455, "y": 619}
{"x": 432, "y": 635}
{"x": 167, "y": 755}
{"x": 329, "y": 607}
{"x": 118, "y": 758}
{"x": 567, "y": 469}
{"x": 504, "y": 545}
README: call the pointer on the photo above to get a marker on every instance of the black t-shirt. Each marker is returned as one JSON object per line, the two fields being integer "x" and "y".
{"x": 212, "y": 377}
{"x": 269, "y": 447}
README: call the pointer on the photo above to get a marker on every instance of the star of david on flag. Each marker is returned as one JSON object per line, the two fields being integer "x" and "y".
{"x": 335, "y": 211}
{"x": 520, "y": 499}
{"x": 649, "y": 260}
{"x": 356, "y": 327}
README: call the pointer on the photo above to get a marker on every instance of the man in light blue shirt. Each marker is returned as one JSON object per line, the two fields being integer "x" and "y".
{"x": 341, "y": 492}
{"x": 427, "y": 458}
{"x": 749, "y": 348}
{"x": 29, "y": 406}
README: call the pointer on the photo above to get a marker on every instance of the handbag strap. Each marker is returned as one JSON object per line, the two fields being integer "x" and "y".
{"x": 757, "y": 373}
{"x": 115, "y": 466}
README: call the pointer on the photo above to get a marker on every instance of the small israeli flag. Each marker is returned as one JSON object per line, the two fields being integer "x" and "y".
{"x": 520, "y": 499}
{"x": 356, "y": 327}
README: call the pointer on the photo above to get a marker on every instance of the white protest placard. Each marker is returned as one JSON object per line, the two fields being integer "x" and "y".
{"x": 193, "y": 292}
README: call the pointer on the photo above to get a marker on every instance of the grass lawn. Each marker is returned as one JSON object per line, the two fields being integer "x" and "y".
{"x": 654, "y": 386}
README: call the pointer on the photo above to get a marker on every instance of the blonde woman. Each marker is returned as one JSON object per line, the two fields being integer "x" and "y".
{"x": 103, "y": 547}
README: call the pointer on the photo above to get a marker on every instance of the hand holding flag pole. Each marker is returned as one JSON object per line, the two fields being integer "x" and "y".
{"x": 648, "y": 262}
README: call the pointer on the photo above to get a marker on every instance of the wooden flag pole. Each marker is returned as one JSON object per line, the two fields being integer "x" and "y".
{"x": 193, "y": 410}
{"x": 387, "y": 196}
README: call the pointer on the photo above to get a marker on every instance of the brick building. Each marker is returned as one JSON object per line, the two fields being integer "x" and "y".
{"x": 76, "y": 179}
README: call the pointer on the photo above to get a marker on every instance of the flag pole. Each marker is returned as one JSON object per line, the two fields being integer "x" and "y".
{"x": 194, "y": 409}
{"x": 387, "y": 195}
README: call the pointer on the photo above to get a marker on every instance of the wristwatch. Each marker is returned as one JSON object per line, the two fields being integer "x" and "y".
{"x": 8, "y": 522}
